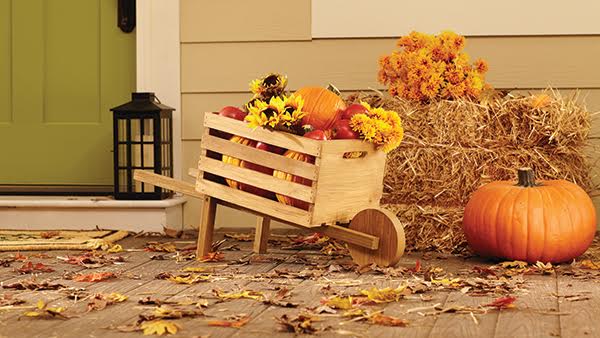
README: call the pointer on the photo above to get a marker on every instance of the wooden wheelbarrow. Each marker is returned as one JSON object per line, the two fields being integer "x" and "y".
{"x": 343, "y": 198}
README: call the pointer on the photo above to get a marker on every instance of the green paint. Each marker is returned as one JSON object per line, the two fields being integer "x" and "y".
{"x": 63, "y": 65}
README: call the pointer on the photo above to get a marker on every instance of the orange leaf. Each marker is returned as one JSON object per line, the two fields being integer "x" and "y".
{"x": 212, "y": 257}
{"x": 230, "y": 323}
{"x": 94, "y": 277}
{"x": 381, "y": 319}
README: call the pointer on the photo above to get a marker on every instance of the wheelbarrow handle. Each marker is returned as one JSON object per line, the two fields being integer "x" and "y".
{"x": 167, "y": 182}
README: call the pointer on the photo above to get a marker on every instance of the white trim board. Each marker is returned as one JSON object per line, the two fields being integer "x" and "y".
{"x": 392, "y": 18}
{"x": 158, "y": 61}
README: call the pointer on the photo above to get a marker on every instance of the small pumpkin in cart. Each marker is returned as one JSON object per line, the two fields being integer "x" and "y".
{"x": 245, "y": 164}
{"x": 548, "y": 221}
{"x": 322, "y": 106}
{"x": 315, "y": 135}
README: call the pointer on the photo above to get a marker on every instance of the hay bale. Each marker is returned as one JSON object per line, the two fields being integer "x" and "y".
{"x": 431, "y": 228}
{"x": 451, "y": 148}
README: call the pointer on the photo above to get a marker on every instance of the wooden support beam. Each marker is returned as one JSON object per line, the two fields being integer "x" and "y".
{"x": 167, "y": 183}
{"x": 207, "y": 226}
{"x": 261, "y": 237}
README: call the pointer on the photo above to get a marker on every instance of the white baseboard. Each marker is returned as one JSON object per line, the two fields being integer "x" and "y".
{"x": 85, "y": 213}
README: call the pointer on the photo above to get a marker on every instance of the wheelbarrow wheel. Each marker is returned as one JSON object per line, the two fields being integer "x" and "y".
{"x": 385, "y": 225}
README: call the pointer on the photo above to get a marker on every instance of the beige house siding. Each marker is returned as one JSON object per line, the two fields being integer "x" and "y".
{"x": 218, "y": 62}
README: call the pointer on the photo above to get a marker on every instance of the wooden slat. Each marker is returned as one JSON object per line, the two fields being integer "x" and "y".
{"x": 581, "y": 320}
{"x": 515, "y": 62}
{"x": 257, "y": 179}
{"x": 339, "y": 147}
{"x": 234, "y": 20}
{"x": 167, "y": 183}
{"x": 338, "y": 18}
{"x": 253, "y": 202}
{"x": 261, "y": 157}
{"x": 284, "y": 140}
{"x": 350, "y": 236}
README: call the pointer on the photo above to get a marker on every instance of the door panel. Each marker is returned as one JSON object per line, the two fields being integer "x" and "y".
{"x": 68, "y": 64}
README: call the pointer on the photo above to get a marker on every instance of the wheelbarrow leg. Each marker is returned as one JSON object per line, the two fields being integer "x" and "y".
{"x": 207, "y": 226}
{"x": 261, "y": 237}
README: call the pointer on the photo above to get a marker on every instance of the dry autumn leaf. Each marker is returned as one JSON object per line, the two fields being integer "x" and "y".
{"x": 381, "y": 319}
{"x": 115, "y": 248}
{"x": 189, "y": 278}
{"x": 589, "y": 264}
{"x": 385, "y": 295}
{"x": 159, "y": 327}
{"x": 195, "y": 269}
{"x": 299, "y": 325}
{"x": 337, "y": 302}
{"x": 235, "y": 323}
{"x": 248, "y": 294}
{"x": 212, "y": 257}
{"x": 239, "y": 237}
{"x": 160, "y": 247}
{"x": 32, "y": 284}
{"x": 43, "y": 311}
{"x": 503, "y": 303}
{"x": 29, "y": 267}
{"x": 514, "y": 265}
{"x": 94, "y": 277}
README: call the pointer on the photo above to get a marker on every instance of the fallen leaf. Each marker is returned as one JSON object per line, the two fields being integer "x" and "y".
{"x": 589, "y": 264}
{"x": 94, "y": 277}
{"x": 29, "y": 267}
{"x": 503, "y": 303}
{"x": 514, "y": 264}
{"x": 212, "y": 257}
{"x": 159, "y": 327}
{"x": 100, "y": 301}
{"x": 8, "y": 300}
{"x": 239, "y": 237}
{"x": 381, "y": 319}
{"x": 92, "y": 260}
{"x": 337, "y": 302}
{"x": 195, "y": 269}
{"x": 49, "y": 234}
{"x": 385, "y": 295}
{"x": 446, "y": 281}
{"x": 43, "y": 311}
{"x": 235, "y": 323}
{"x": 32, "y": 284}
{"x": 115, "y": 248}
{"x": 302, "y": 324}
{"x": 189, "y": 278}
{"x": 248, "y": 294}
{"x": 160, "y": 247}
{"x": 164, "y": 312}
{"x": 20, "y": 257}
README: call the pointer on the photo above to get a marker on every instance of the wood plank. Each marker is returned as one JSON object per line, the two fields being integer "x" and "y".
{"x": 270, "y": 208}
{"x": 257, "y": 156}
{"x": 167, "y": 183}
{"x": 280, "y": 139}
{"x": 446, "y": 324}
{"x": 348, "y": 186}
{"x": 536, "y": 316}
{"x": 350, "y": 236}
{"x": 261, "y": 237}
{"x": 257, "y": 179}
{"x": 261, "y": 20}
{"x": 338, "y": 18}
{"x": 515, "y": 62}
{"x": 580, "y": 318}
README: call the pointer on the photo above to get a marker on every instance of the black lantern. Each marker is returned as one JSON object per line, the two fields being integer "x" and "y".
{"x": 143, "y": 140}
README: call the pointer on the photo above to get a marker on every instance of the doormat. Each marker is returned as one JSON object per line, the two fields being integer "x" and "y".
{"x": 25, "y": 240}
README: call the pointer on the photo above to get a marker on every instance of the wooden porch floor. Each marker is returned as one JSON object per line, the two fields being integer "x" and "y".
{"x": 441, "y": 296}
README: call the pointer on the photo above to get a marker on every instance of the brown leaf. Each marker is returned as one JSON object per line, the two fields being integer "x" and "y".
{"x": 92, "y": 260}
{"x": 235, "y": 323}
{"x": 160, "y": 247}
{"x": 43, "y": 311}
{"x": 29, "y": 267}
{"x": 239, "y": 237}
{"x": 302, "y": 324}
{"x": 163, "y": 312}
{"x": 8, "y": 300}
{"x": 49, "y": 234}
{"x": 32, "y": 284}
{"x": 381, "y": 319}
{"x": 94, "y": 277}
{"x": 100, "y": 301}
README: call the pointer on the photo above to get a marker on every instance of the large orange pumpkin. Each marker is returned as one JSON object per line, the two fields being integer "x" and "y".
{"x": 550, "y": 221}
{"x": 323, "y": 107}
{"x": 240, "y": 163}
{"x": 297, "y": 179}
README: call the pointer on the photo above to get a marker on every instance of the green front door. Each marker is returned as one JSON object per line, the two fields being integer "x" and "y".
{"x": 63, "y": 65}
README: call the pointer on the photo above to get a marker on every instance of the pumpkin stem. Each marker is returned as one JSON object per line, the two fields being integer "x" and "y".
{"x": 526, "y": 177}
{"x": 334, "y": 89}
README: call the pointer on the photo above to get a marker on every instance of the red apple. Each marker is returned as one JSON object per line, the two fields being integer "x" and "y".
{"x": 353, "y": 109}
{"x": 233, "y": 112}
{"x": 316, "y": 135}
{"x": 342, "y": 130}
{"x": 270, "y": 148}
